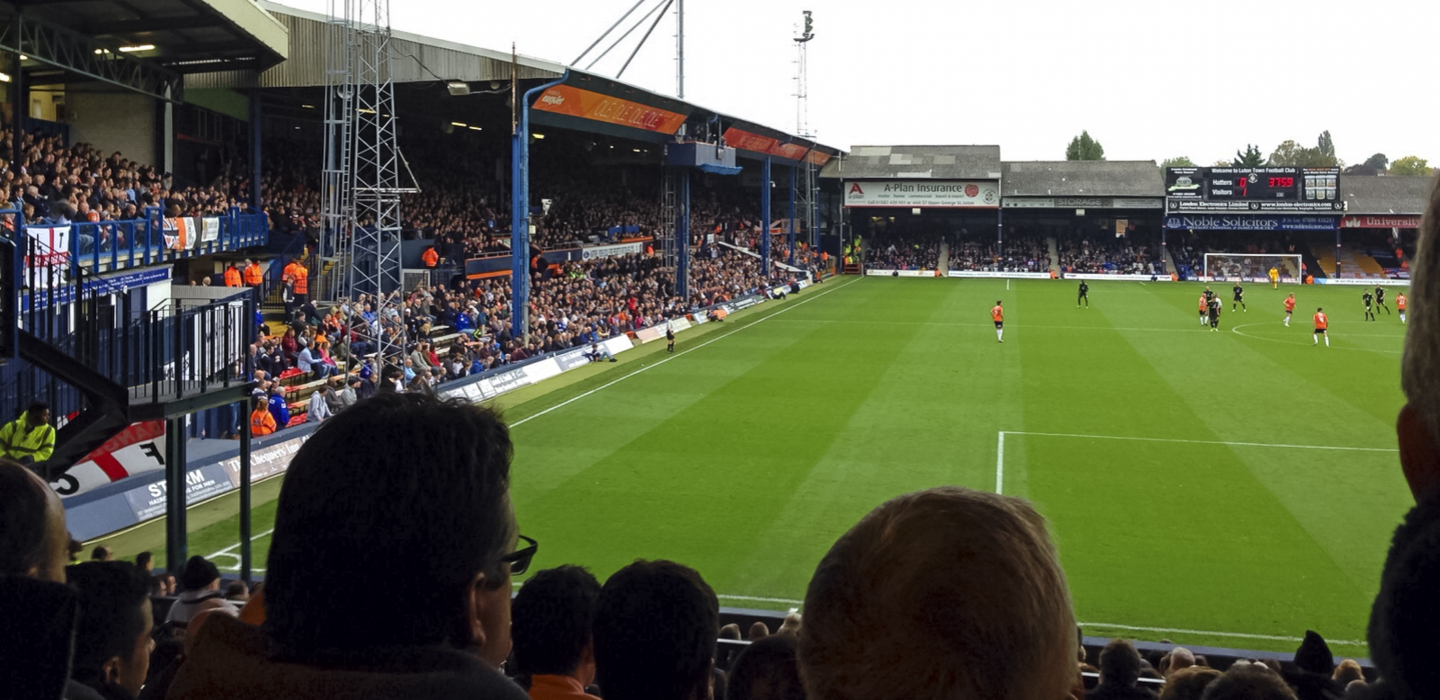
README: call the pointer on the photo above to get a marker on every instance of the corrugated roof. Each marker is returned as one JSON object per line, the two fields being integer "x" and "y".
{"x": 917, "y": 162}
{"x": 1386, "y": 195}
{"x": 1083, "y": 178}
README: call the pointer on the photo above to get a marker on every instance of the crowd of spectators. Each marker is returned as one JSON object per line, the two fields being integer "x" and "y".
{"x": 1019, "y": 253}
{"x": 1104, "y": 255}
{"x": 902, "y": 252}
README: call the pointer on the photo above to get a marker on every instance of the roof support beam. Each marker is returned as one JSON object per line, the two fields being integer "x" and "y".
{"x": 74, "y": 52}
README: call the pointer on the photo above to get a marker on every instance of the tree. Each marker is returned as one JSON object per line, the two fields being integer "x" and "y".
{"x": 1083, "y": 147}
{"x": 1251, "y": 158}
{"x": 1362, "y": 170}
{"x": 1411, "y": 165}
{"x": 1179, "y": 162}
{"x": 1293, "y": 154}
{"x": 1378, "y": 161}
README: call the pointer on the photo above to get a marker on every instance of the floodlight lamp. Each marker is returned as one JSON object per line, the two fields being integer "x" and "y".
{"x": 457, "y": 88}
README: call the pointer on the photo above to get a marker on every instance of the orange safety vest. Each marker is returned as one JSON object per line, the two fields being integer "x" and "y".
{"x": 253, "y": 275}
{"x": 261, "y": 422}
{"x": 232, "y": 277}
{"x": 302, "y": 284}
{"x": 430, "y": 257}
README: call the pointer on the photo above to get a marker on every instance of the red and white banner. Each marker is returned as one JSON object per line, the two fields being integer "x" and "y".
{"x": 1380, "y": 222}
{"x": 137, "y": 449}
{"x": 51, "y": 261}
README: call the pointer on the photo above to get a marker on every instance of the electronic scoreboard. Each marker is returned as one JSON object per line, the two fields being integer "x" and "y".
{"x": 1263, "y": 189}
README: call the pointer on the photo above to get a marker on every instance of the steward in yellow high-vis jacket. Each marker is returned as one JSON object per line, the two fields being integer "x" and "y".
{"x": 29, "y": 438}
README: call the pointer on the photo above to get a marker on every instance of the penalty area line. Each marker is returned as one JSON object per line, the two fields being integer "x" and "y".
{"x": 676, "y": 356}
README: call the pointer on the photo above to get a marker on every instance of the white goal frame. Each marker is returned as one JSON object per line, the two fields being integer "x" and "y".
{"x": 1260, "y": 266}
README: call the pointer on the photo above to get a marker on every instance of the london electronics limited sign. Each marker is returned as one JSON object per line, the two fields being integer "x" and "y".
{"x": 975, "y": 194}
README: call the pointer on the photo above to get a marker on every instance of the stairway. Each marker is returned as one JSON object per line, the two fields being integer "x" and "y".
{"x": 1170, "y": 262}
{"x": 943, "y": 263}
{"x": 1054, "y": 256}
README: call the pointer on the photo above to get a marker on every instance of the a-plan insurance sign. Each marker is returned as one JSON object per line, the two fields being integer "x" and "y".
{"x": 978, "y": 194}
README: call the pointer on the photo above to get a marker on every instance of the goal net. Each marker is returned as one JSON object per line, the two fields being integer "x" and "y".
{"x": 1251, "y": 267}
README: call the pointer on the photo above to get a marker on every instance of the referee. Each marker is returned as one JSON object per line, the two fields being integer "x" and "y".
{"x": 1084, "y": 295}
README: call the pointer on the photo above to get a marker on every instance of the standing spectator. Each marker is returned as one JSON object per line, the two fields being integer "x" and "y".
{"x": 37, "y": 608}
{"x": 29, "y": 438}
{"x": 112, "y": 638}
{"x": 33, "y": 540}
{"x": 232, "y": 275}
{"x": 146, "y": 561}
{"x": 1119, "y": 674}
{"x": 893, "y": 601}
{"x": 551, "y": 622}
{"x": 1248, "y": 681}
{"x": 101, "y": 553}
{"x": 262, "y": 422}
{"x": 449, "y": 553}
{"x": 279, "y": 410}
{"x": 656, "y": 623}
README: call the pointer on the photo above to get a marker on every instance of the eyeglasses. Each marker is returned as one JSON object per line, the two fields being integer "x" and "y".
{"x": 519, "y": 560}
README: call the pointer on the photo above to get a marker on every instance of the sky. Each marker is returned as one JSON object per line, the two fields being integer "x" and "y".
{"x": 1148, "y": 79}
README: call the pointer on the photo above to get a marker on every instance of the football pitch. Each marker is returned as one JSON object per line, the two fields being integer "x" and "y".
{"x": 1230, "y": 488}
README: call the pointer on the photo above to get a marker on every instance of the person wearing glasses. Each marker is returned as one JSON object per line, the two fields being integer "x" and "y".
{"x": 428, "y": 527}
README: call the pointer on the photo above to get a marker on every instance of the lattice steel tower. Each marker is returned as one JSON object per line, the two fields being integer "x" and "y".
{"x": 808, "y": 194}
{"x": 360, "y": 242}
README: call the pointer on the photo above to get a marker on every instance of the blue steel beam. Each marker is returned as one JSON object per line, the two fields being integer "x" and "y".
{"x": 765, "y": 218}
{"x": 520, "y": 216}
{"x": 682, "y": 238}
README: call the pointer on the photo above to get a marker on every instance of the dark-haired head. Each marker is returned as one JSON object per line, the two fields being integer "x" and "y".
{"x": 411, "y": 495}
{"x": 112, "y": 639}
{"x": 656, "y": 623}
{"x": 551, "y": 620}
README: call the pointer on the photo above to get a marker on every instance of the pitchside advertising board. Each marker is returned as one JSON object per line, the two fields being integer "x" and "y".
{"x": 952, "y": 194}
{"x": 1257, "y": 190}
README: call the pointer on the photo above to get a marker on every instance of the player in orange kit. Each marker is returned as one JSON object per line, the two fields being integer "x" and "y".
{"x": 998, "y": 314}
{"x": 1400, "y": 302}
{"x": 1204, "y": 309}
{"x": 1289, "y": 308}
{"x": 1321, "y": 323}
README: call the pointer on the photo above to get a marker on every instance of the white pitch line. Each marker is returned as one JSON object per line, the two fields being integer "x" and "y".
{"x": 646, "y": 368}
{"x": 1101, "y": 625}
{"x": 228, "y": 550}
{"x": 1207, "y": 442}
{"x": 1242, "y": 635}
{"x": 1000, "y": 463}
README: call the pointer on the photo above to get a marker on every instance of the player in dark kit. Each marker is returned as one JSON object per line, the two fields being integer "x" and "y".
{"x": 1380, "y": 298}
{"x": 669, "y": 339}
{"x": 1369, "y": 312}
{"x": 1239, "y": 298}
{"x": 1084, "y": 295}
{"x": 1215, "y": 313}
{"x": 1208, "y": 294}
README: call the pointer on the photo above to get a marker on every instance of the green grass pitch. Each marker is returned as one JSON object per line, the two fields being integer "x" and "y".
{"x": 1230, "y": 489}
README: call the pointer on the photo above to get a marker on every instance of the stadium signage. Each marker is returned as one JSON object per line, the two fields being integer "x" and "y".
{"x": 1380, "y": 222}
{"x": 1261, "y": 189}
{"x": 1083, "y": 203}
{"x": 997, "y": 274}
{"x": 1212, "y": 222}
{"x": 974, "y": 194}
{"x": 1121, "y": 278}
{"x": 584, "y": 104}
{"x": 748, "y": 141}
{"x": 607, "y": 251}
{"x": 1363, "y": 282}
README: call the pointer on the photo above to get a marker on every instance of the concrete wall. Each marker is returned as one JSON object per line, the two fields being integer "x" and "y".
{"x": 114, "y": 121}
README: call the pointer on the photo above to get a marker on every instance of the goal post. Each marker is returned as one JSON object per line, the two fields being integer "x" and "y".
{"x": 1252, "y": 267}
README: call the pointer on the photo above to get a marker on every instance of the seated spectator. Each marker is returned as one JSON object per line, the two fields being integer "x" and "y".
{"x": 1119, "y": 674}
{"x": 947, "y": 578}
{"x": 199, "y": 590}
{"x": 1348, "y": 671}
{"x": 1188, "y": 683}
{"x": 37, "y": 609}
{"x": 112, "y": 638}
{"x": 550, "y": 623}
{"x": 1179, "y": 658}
{"x": 101, "y": 553}
{"x": 1406, "y": 612}
{"x": 766, "y": 670}
{"x": 656, "y": 623}
{"x": 434, "y": 620}
{"x": 1314, "y": 666}
{"x": 1248, "y": 681}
